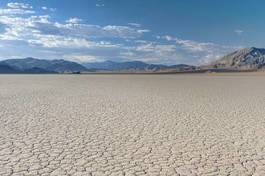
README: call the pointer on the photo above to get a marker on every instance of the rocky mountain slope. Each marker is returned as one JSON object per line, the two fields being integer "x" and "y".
{"x": 244, "y": 59}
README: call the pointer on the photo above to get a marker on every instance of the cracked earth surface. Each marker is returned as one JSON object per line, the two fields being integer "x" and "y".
{"x": 132, "y": 125}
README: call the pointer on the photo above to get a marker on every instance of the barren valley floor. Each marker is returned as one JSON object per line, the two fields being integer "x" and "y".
{"x": 132, "y": 124}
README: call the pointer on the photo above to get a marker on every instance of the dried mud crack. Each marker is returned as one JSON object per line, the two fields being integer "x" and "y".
{"x": 132, "y": 125}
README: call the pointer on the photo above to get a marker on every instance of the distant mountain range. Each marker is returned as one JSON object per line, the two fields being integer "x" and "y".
{"x": 135, "y": 66}
{"x": 7, "y": 69}
{"x": 242, "y": 60}
{"x": 32, "y": 65}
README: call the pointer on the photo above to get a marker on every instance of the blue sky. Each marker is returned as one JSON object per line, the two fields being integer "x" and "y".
{"x": 153, "y": 31}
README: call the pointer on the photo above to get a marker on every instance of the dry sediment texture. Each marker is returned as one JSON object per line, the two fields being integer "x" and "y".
{"x": 132, "y": 125}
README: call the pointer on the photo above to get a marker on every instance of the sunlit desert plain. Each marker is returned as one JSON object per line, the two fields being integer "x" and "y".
{"x": 190, "y": 124}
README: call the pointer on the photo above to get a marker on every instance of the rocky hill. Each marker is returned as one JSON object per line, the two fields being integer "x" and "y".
{"x": 244, "y": 59}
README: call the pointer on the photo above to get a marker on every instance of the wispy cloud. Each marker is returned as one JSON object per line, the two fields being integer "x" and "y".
{"x": 190, "y": 45}
{"x": 152, "y": 52}
{"x": 16, "y": 5}
{"x": 75, "y": 39}
{"x": 238, "y": 31}
{"x": 203, "y": 52}
{"x": 134, "y": 24}
{"x": 100, "y": 5}
{"x": 41, "y": 31}
{"x": 12, "y": 11}
{"x": 81, "y": 58}
{"x": 44, "y": 8}
{"x": 123, "y": 31}
{"x": 48, "y": 9}
{"x": 74, "y": 20}
{"x": 15, "y": 8}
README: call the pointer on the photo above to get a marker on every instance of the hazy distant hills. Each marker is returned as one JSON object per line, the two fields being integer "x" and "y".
{"x": 244, "y": 59}
{"x": 7, "y": 69}
{"x": 32, "y": 65}
{"x": 136, "y": 66}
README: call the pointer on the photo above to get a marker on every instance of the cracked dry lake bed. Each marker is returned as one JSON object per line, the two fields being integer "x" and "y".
{"x": 132, "y": 125}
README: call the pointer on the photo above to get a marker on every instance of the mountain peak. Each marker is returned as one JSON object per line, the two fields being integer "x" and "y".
{"x": 30, "y": 58}
{"x": 253, "y": 48}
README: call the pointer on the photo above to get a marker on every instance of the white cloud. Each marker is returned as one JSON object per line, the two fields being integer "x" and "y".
{"x": 141, "y": 31}
{"x": 53, "y": 9}
{"x": 14, "y": 8}
{"x": 74, "y": 20}
{"x": 202, "y": 52}
{"x": 50, "y": 9}
{"x": 190, "y": 45}
{"x": 44, "y": 8}
{"x": 123, "y": 31}
{"x": 100, "y": 5}
{"x": 157, "y": 48}
{"x": 135, "y": 24}
{"x": 152, "y": 52}
{"x": 15, "y": 12}
{"x": 238, "y": 32}
{"x": 16, "y": 5}
{"x": 141, "y": 41}
{"x": 82, "y": 58}
{"x": 53, "y": 41}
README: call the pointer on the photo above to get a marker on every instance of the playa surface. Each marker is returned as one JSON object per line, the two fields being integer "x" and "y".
{"x": 132, "y": 124}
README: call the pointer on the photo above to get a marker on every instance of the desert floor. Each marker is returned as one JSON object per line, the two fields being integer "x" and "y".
{"x": 132, "y": 124}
